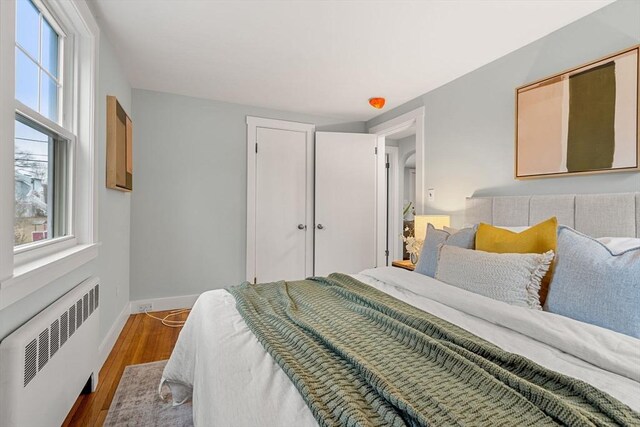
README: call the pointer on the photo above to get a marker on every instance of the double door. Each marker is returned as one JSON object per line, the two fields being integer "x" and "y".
{"x": 312, "y": 201}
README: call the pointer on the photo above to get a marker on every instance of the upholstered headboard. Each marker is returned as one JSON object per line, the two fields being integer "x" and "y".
{"x": 597, "y": 215}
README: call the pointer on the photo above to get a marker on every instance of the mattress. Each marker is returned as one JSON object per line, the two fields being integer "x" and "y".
{"x": 233, "y": 381}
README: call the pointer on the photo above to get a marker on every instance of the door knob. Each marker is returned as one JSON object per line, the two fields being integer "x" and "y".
{"x": 301, "y": 226}
{"x": 320, "y": 227}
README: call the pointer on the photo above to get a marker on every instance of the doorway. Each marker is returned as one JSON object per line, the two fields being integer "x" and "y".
{"x": 401, "y": 203}
{"x": 403, "y": 138}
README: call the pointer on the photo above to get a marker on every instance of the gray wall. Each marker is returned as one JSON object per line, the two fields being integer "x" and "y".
{"x": 469, "y": 123}
{"x": 112, "y": 263}
{"x": 114, "y": 207}
{"x": 188, "y": 213}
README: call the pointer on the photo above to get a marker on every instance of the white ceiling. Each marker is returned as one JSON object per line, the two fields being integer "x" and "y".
{"x": 320, "y": 57}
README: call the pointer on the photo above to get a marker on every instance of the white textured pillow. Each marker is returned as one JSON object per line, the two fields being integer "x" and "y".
{"x": 618, "y": 245}
{"x": 512, "y": 278}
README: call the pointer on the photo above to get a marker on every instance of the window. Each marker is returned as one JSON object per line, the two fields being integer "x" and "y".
{"x": 38, "y": 82}
{"x": 41, "y": 177}
{"x": 49, "y": 52}
{"x": 41, "y": 152}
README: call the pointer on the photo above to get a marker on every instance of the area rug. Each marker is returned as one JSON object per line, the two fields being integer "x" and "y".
{"x": 136, "y": 402}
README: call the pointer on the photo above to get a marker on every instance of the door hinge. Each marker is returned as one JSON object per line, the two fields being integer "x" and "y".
{"x": 376, "y": 151}
{"x": 387, "y": 165}
{"x": 386, "y": 253}
{"x": 256, "y": 147}
{"x": 255, "y": 280}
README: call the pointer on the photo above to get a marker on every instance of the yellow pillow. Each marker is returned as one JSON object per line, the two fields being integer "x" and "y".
{"x": 538, "y": 239}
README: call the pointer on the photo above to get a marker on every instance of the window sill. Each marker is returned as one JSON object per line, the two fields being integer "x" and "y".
{"x": 31, "y": 276}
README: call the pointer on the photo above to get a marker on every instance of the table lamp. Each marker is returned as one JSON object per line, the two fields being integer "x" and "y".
{"x": 421, "y": 221}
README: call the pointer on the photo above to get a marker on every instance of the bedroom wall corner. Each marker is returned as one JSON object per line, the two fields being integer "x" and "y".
{"x": 114, "y": 207}
{"x": 469, "y": 122}
{"x": 188, "y": 213}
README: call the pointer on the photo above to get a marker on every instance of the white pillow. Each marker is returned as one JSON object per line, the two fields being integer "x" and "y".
{"x": 618, "y": 245}
{"x": 512, "y": 278}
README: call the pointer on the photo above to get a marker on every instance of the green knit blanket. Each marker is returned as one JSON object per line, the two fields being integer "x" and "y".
{"x": 360, "y": 357}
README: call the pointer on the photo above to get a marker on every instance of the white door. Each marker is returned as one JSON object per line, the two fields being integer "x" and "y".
{"x": 345, "y": 200}
{"x": 281, "y": 205}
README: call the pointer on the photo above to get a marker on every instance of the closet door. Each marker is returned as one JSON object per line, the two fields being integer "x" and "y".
{"x": 345, "y": 200}
{"x": 282, "y": 240}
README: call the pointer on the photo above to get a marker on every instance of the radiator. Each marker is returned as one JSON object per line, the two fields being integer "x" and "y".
{"x": 46, "y": 363}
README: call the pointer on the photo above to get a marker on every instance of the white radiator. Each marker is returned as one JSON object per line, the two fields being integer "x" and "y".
{"x": 45, "y": 364}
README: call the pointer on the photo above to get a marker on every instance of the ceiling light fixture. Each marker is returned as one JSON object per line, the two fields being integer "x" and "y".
{"x": 377, "y": 102}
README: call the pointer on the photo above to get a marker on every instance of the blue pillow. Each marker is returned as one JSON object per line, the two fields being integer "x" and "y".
{"x": 428, "y": 261}
{"x": 594, "y": 285}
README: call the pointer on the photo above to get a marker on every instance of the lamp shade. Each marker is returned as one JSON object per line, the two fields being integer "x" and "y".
{"x": 421, "y": 221}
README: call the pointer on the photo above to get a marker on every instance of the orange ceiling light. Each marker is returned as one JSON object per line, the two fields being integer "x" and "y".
{"x": 377, "y": 102}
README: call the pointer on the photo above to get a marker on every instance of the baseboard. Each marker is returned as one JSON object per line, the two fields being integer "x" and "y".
{"x": 112, "y": 336}
{"x": 157, "y": 304}
{"x": 161, "y": 304}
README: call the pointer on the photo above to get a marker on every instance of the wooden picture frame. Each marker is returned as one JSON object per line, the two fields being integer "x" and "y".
{"x": 584, "y": 120}
{"x": 119, "y": 147}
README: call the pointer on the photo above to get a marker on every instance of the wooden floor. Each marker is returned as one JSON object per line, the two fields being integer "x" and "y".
{"x": 143, "y": 339}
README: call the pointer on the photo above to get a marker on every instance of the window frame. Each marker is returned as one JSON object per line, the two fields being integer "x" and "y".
{"x": 69, "y": 140}
{"x": 63, "y": 55}
{"x": 30, "y": 251}
{"x": 26, "y": 268}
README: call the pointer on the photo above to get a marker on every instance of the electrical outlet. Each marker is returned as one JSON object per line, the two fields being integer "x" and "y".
{"x": 431, "y": 195}
{"x": 145, "y": 307}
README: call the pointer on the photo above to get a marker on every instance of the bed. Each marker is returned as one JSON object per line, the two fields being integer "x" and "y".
{"x": 219, "y": 363}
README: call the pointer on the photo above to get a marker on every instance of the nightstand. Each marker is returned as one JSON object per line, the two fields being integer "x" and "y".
{"x": 405, "y": 263}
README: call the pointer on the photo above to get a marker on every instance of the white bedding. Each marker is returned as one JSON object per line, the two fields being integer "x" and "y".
{"x": 234, "y": 382}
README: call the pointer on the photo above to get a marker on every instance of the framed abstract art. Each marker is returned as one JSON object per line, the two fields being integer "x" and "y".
{"x": 583, "y": 120}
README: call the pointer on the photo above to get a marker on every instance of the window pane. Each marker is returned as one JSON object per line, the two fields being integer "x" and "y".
{"x": 48, "y": 97}
{"x": 49, "y": 49}
{"x": 31, "y": 185}
{"x": 26, "y": 80}
{"x": 28, "y": 27}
